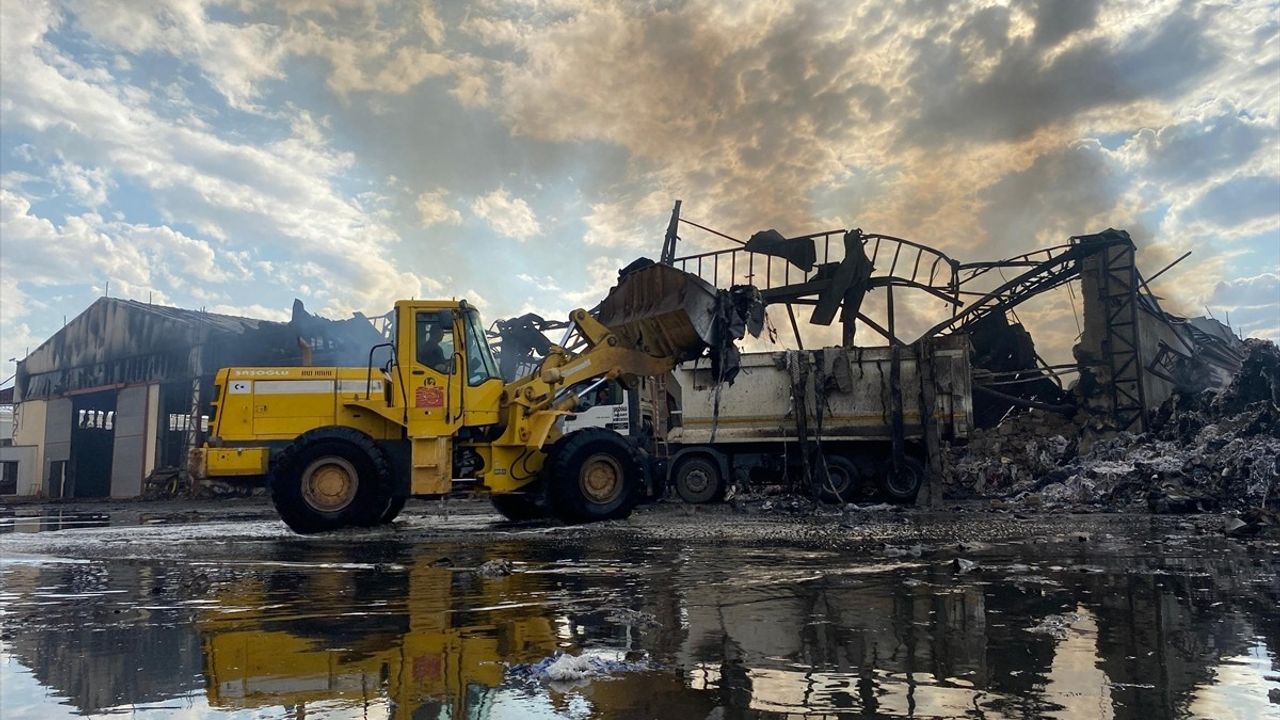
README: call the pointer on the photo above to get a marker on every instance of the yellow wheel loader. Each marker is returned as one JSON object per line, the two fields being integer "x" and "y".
{"x": 344, "y": 447}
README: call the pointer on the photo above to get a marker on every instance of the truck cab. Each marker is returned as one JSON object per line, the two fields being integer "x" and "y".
{"x": 615, "y": 406}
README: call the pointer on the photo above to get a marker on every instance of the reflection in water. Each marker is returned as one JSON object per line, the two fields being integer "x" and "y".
{"x": 367, "y": 637}
{"x": 50, "y": 520}
{"x": 401, "y": 630}
{"x": 1074, "y": 679}
{"x": 1241, "y": 687}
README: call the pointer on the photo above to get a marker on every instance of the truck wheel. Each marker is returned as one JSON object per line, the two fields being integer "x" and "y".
{"x": 517, "y": 507}
{"x": 698, "y": 480}
{"x": 594, "y": 474}
{"x": 393, "y": 509}
{"x": 841, "y": 482}
{"x": 330, "y": 479}
{"x": 903, "y": 485}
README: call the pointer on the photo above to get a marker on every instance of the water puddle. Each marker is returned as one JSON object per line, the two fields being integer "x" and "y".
{"x": 587, "y": 626}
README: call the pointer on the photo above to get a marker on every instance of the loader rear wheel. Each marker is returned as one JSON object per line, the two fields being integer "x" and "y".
{"x": 594, "y": 474}
{"x": 903, "y": 485}
{"x": 517, "y": 507}
{"x": 841, "y": 481}
{"x": 329, "y": 479}
{"x": 698, "y": 480}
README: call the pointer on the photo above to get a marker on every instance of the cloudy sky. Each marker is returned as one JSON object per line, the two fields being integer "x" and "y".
{"x": 235, "y": 155}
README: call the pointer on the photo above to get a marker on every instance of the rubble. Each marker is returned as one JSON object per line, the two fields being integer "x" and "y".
{"x": 498, "y": 567}
{"x": 1253, "y": 523}
{"x": 1056, "y": 626}
{"x": 567, "y": 671}
{"x": 1204, "y": 452}
{"x": 635, "y": 618}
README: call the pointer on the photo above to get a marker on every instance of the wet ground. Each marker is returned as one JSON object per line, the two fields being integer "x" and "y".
{"x": 216, "y": 610}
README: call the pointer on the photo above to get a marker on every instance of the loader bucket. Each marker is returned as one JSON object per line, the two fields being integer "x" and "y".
{"x": 662, "y": 311}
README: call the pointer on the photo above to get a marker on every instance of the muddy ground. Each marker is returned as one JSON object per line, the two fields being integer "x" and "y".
{"x": 216, "y": 610}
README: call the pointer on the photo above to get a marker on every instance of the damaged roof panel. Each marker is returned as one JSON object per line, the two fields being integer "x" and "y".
{"x": 118, "y": 342}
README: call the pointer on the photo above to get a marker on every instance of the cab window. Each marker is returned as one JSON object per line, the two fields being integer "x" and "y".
{"x": 480, "y": 363}
{"x": 434, "y": 333}
{"x": 607, "y": 394}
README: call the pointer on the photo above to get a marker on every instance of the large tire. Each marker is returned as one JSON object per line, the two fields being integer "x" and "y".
{"x": 698, "y": 479}
{"x": 393, "y": 509}
{"x": 593, "y": 474}
{"x": 903, "y": 486}
{"x": 331, "y": 478}
{"x": 518, "y": 506}
{"x": 840, "y": 485}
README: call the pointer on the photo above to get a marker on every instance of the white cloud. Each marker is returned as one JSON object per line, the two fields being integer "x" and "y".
{"x": 85, "y": 255}
{"x": 368, "y": 63}
{"x": 546, "y": 283}
{"x": 88, "y": 186}
{"x": 913, "y": 121}
{"x": 1252, "y": 304}
{"x": 471, "y": 91}
{"x": 235, "y": 58}
{"x": 252, "y": 311}
{"x": 507, "y": 215}
{"x": 431, "y": 23}
{"x": 15, "y": 343}
{"x": 86, "y": 249}
{"x": 1260, "y": 290}
{"x": 434, "y": 209}
{"x": 634, "y": 224}
{"x": 602, "y": 274}
{"x": 283, "y": 189}
{"x": 476, "y": 300}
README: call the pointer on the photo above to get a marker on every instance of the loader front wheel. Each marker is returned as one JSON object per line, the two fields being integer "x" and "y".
{"x": 393, "y": 509}
{"x": 517, "y": 507}
{"x": 330, "y": 479}
{"x": 594, "y": 474}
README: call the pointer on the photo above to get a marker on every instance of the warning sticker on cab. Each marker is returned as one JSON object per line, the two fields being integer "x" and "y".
{"x": 428, "y": 397}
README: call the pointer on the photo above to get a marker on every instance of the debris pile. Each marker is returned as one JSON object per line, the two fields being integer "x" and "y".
{"x": 1023, "y": 449}
{"x": 498, "y": 567}
{"x": 1204, "y": 452}
{"x": 565, "y": 671}
{"x": 1056, "y": 626}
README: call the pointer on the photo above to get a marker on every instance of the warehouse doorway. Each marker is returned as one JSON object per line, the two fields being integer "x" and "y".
{"x": 92, "y": 444}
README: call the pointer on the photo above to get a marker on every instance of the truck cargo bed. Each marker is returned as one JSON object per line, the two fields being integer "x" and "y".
{"x": 846, "y": 395}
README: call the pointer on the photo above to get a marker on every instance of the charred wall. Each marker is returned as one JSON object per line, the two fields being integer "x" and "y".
{"x": 118, "y": 342}
{"x": 115, "y": 389}
{"x": 1129, "y": 339}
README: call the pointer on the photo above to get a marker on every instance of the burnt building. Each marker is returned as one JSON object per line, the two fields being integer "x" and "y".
{"x": 124, "y": 388}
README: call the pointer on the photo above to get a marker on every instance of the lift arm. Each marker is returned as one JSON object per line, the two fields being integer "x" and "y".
{"x": 545, "y": 391}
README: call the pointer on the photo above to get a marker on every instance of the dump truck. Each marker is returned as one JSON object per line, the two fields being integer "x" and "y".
{"x": 343, "y": 447}
{"x": 822, "y": 416}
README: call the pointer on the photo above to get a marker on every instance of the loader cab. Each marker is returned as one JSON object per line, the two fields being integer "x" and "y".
{"x": 448, "y": 372}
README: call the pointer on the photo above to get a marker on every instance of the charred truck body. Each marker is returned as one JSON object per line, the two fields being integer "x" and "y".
{"x": 821, "y": 419}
